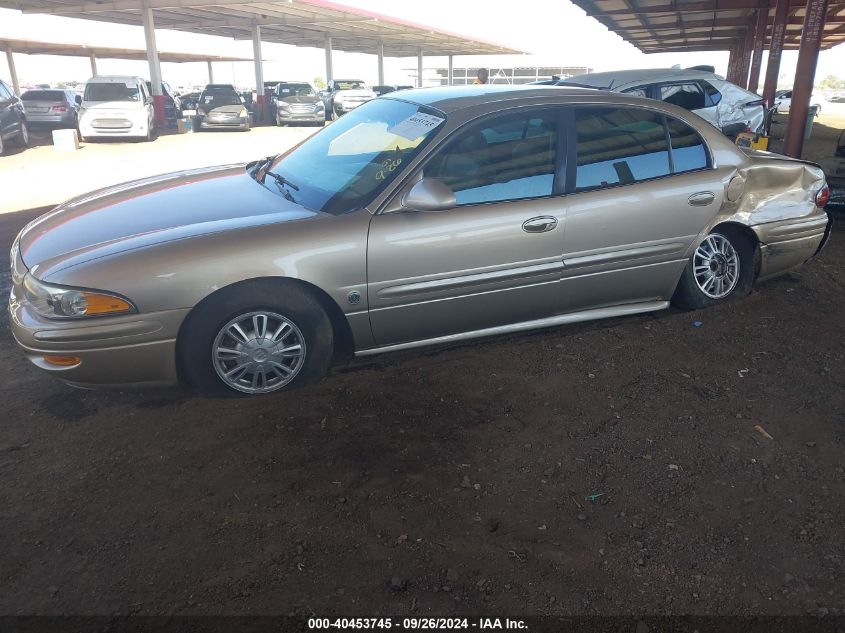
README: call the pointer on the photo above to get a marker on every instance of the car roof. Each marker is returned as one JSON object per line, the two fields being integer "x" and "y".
{"x": 619, "y": 78}
{"x": 450, "y": 98}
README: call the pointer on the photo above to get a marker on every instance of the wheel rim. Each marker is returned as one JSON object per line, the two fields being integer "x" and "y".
{"x": 258, "y": 352}
{"x": 716, "y": 266}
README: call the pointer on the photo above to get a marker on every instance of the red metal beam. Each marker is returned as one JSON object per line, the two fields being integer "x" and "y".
{"x": 775, "y": 50}
{"x": 757, "y": 53}
{"x": 805, "y": 74}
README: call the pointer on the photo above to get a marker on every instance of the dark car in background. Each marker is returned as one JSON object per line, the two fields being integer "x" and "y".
{"x": 189, "y": 100}
{"x": 221, "y": 107}
{"x": 298, "y": 102}
{"x": 53, "y": 108}
{"x": 13, "y": 125}
{"x": 170, "y": 97}
{"x": 383, "y": 90}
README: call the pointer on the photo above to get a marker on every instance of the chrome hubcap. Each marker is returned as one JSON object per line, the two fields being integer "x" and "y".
{"x": 258, "y": 352}
{"x": 716, "y": 266}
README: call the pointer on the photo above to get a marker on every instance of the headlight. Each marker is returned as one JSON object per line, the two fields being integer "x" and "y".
{"x": 320, "y": 105}
{"x": 284, "y": 105}
{"x": 55, "y": 302}
{"x": 243, "y": 113}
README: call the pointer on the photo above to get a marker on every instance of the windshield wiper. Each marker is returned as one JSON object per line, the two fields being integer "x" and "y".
{"x": 282, "y": 184}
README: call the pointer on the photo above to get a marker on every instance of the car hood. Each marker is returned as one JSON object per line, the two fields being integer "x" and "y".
{"x": 310, "y": 100}
{"x": 151, "y": 211}
{"x": 112, "y": 105}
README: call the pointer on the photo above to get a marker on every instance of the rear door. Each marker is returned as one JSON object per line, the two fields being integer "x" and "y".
{"x": 495, "y": 258}
{"x": 642, "y": 189}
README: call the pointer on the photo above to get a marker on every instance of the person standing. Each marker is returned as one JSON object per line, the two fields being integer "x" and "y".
{"x": 482, "y": 76}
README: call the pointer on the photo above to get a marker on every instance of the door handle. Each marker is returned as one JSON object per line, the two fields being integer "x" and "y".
{"x": 539, "y": 225}
{"x": 702, "y": 198}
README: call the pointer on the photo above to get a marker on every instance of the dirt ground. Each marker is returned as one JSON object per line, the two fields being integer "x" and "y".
{"x": 606, "y": 468}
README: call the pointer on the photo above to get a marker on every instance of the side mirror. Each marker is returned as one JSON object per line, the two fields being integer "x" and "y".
{"x": 429, "y": 195}
{"x": 78, "y": 100}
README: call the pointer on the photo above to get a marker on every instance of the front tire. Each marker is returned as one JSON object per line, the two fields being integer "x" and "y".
{"x": 22, "y": 138}
{"x": 720, "y": 268}
{"x": 258, "y": 337}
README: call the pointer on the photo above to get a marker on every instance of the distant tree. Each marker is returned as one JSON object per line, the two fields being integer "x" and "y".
{"x": 832, "y": 82}
{"x": 319, "y": 82}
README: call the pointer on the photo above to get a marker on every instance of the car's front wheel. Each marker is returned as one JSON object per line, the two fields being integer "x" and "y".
{"x": 721, "y": 267}
{"x": 23, "y": 135}
{"x": 258, "y": 337}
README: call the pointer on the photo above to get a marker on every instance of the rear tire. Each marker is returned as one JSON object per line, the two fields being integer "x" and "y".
{"x": 720, "y": 269}
{"x": 207, "y": 350}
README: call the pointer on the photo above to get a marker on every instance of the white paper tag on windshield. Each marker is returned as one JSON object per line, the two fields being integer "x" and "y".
{"x": 415, "y": 126}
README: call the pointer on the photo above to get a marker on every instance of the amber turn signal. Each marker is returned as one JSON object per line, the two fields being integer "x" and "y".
{"x": 104, "y": 304}
{"x": 63, "y": 361}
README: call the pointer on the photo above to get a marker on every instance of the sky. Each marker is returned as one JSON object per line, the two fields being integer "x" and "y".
{"x": 553, "y": 32}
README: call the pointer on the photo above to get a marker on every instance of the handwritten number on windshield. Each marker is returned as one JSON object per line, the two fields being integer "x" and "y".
{"x": 387, "y": 167}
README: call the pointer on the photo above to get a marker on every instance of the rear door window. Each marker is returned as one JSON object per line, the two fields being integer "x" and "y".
{"x": 688, "y": 150}
{"x": 689, "y": 96}
{"x": 618, "y": 146}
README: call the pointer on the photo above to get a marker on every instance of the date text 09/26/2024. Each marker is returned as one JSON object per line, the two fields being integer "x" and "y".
{"x": 416, "y": 624}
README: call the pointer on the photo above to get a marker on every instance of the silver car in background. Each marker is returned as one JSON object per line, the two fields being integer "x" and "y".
{"x": 55, "y": 107}
{"x": 438, "y": 215}
{"x": 298, "y": 102}
{"x": 727, "y": 106}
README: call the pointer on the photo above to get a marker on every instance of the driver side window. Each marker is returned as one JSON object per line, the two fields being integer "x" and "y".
{"x": 510, "y": 157}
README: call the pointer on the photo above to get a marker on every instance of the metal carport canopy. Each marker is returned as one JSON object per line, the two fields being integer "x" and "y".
{"x": 296, "y": 22}
{"x": 659, "y": 26}
{"x": 31, "y": 47}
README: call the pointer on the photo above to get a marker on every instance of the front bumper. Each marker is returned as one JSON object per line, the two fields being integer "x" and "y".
{"x": 237, "y": 123}
{"x": 118, "y": 351}
{"x": 132, "y": 130}
{"x": 286, "y": 116}
{"x": 347, "y": 106}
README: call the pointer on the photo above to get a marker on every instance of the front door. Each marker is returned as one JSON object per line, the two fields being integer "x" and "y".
{"x": 495, "y": 258}
{"x": 643, "y": 188}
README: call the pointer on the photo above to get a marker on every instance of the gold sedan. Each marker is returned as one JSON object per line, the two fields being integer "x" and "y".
{"x": 418, "y": 219}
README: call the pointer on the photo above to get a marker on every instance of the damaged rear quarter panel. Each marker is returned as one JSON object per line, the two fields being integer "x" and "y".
{"x": 778, "y": 203}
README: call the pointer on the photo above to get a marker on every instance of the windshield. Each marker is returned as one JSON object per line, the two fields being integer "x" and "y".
{"x": 343, "y": 167}
{"x": 351, "y": 84}
{"x": 218, "y": 98}
{"x": 112, "y": 92}
{"x": 294, "y": 90}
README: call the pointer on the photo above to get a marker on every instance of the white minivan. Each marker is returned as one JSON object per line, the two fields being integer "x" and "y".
{"x": 116, "y": 106}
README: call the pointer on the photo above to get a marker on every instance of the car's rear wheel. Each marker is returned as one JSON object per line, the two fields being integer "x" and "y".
{"x": 256, "y": 338}
{"x": 721, "y": 267}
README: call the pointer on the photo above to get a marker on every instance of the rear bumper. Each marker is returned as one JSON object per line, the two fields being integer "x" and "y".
{"x": 51, "y": 119}
{"x": 786, "y": 245}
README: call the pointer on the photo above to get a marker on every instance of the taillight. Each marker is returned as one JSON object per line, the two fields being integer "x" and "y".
{"x": 59, "y": 109}
{"x": 823, "y": 196}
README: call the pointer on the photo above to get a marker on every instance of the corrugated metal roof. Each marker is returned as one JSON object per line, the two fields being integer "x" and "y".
{"x": 32, "y": 47}
{"x": 297, "y": 22}
{"x": 658, "y": 26}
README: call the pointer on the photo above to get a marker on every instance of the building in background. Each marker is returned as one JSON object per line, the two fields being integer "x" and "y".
{"x": 512, "y": 75}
